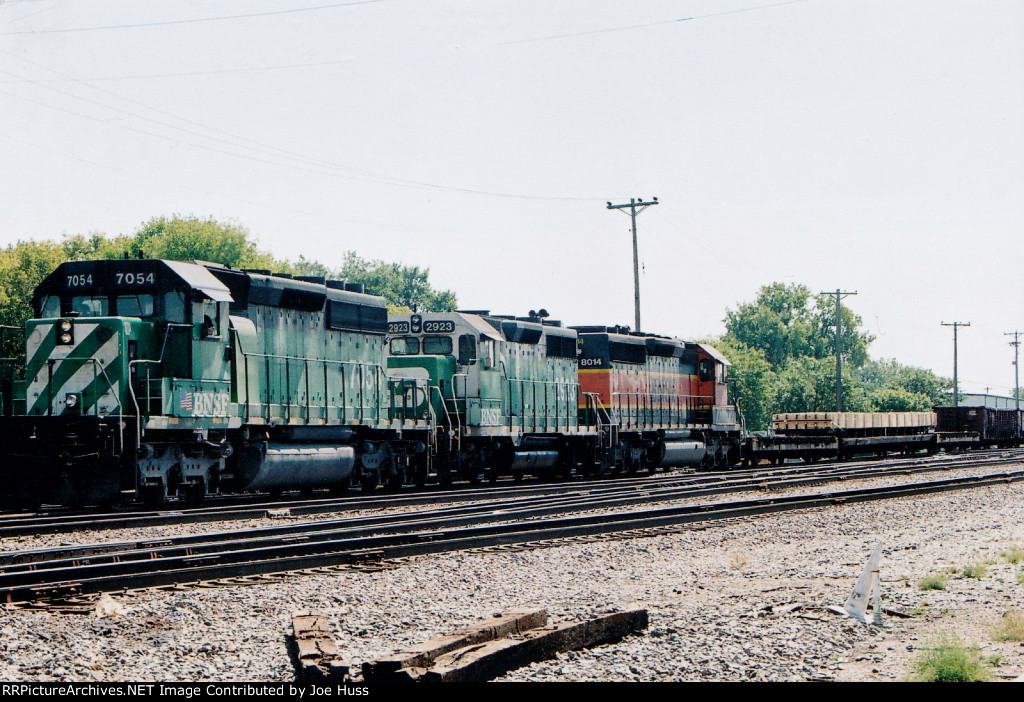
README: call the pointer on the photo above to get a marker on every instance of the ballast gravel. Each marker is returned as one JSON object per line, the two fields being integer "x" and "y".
{"x": 742, "y": 600}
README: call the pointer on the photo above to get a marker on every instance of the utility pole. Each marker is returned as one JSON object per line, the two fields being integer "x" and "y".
{"x": 956, "y": 384}
{"x": 1016, "y": 373}
{"x": 840, "y": 294}
{"x": 636, "y": 206}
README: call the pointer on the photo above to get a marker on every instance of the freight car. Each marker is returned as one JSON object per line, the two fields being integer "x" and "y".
{"x": 979, "y": 425}
{"x": 156, "y": 378}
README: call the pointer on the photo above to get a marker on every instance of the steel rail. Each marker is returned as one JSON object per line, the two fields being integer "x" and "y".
{"x": 292, "y": 555}
{"x": 28, "y": 525}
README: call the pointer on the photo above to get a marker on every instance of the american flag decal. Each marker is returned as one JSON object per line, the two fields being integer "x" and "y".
{"x": 186, "y": 400}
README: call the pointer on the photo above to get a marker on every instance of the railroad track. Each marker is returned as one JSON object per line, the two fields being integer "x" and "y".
{"x": 60, "y": 572}
{"x": 36, "y": 524}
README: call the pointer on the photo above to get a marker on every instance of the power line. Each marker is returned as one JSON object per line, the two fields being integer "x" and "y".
{"x": 185, "y": 74}
{"x": 192, "y": 20}
{"x": 319, "y": 165}
{"x": 652, "y": 24}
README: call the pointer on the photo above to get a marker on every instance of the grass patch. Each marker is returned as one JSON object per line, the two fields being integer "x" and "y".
{"x": 1014, "y": 554}
{"x": 975, "y": 570}
{"x": 950, "y": 660}
{"x": 1011, "y": 628}
{"x": 935, "y": 581}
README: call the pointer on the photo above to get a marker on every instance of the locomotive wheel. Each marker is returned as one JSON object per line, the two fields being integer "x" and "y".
{"x": 194, "y": 493}
{"x": 369, "y": 483}
{"x": 151, "y": 495}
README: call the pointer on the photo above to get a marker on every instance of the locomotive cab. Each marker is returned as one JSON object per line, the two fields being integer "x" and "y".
{"x": 503, "y": 389}
{"x": 114, "y": 347}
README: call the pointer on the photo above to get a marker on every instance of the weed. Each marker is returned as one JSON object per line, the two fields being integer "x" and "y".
{"x": 1014, "y": 554}
{"x": 935, "y": 581}
{"x": 975, "y": 570}
{"x": 1011, "y": 628}
{"x": 950, "y": 660}
{"x": 737, "y": 562}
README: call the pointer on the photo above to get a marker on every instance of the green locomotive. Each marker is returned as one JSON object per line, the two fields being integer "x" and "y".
{"x": 161, "y": 377}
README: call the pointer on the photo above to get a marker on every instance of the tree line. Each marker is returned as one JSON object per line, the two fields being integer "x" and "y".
{"x": 781, "y": 345}
{"x": 23, "y": 265}
{"x": 782, "y": 350}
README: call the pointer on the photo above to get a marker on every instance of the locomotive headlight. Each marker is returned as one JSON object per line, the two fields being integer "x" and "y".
{"x": 71, "y": 400}
{"x": 65, "y": 332}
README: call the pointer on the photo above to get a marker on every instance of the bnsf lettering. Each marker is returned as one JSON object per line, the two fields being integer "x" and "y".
{"x": 438, "y": 327}
{"x": 208, "y": 404}
{"x": 136, "y": 278}
{"x": 80, "y": 281}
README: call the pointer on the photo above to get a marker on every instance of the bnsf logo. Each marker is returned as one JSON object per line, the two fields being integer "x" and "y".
{"x": 205, "y": 404}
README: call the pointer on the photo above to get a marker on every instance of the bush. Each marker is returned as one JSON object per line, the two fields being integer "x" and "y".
{"x": 935, "y": 581}
{"x": 949, "y": 660}
{"x": 975, "y": 570}
{"x": 1011, "y": 628}
{"x": 1014, "y": 554}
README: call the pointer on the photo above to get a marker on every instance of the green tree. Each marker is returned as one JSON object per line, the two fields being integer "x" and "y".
{"x": 24, "y": 265}
{"x": 809, "y": 385}
{"x": 405, "y": 287}
{"x": 787, "y": 322}
{"x": 751, "y": 381}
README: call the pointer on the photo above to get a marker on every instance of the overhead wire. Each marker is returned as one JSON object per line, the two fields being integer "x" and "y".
{"x": 192, "y": 20}
{"x": 659, "y": 23}
{"x": 312, "y": 164}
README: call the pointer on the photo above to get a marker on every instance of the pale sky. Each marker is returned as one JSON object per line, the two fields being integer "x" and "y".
{"x": 871, "y": 145}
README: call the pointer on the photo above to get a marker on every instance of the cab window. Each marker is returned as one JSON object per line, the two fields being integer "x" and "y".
{"x": 706, "y": 369}
{"x": 467, "y": 349}
{"x": 437, "y": 345}
{"x": 87, "y": 306}
{"x": 174, "y": 307}
{"x": 405, "y": 346}
{"x": 49, "y": 306}
{"x": 135, "y": 306}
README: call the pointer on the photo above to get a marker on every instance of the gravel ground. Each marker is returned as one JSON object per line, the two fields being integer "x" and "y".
{"x": 737, "y": 601}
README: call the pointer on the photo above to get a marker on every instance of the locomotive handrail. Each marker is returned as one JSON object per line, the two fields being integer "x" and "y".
{"x": 571, "y": 393}
{"x": 677, "y": 414}
{"x": 458, "y": 423}
{"x": 325, "y": 363}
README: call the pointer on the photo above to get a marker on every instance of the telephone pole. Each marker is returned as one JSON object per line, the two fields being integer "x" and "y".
{"x": 839, "y": 294}
{"x": 1016, "y": 373}
{"x": 635, "y": 206}
{"x": 956, "y": 384}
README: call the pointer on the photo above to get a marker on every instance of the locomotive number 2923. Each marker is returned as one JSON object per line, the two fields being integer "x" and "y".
{"x": 441, "y": 326}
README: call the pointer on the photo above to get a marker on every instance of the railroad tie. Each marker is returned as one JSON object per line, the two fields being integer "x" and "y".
{"x": 315, "y": 653}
